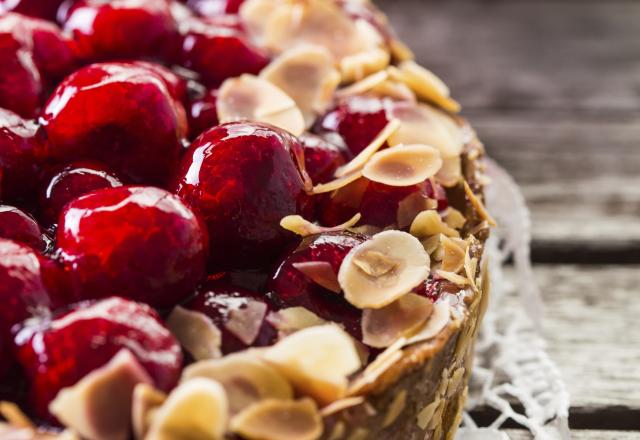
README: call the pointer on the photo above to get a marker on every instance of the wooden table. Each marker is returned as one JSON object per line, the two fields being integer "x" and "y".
{"x": 553, "y": 87}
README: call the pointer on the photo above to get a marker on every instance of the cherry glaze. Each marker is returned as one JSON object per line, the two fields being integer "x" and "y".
{"x": 322, "y": 158}
{"x": 203, "y": 113}
{"x": 19, "y": 226}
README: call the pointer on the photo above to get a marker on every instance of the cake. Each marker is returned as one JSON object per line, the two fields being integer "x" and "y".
{"x": 250, "y": 219}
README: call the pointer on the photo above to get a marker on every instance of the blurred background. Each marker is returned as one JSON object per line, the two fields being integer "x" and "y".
{"x": 553, "y": 88}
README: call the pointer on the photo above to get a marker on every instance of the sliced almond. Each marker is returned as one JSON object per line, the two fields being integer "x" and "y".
{"x": 339, "y": 183}
{"x": 435, "y": 324}
{"x": 146, "y": 400}
{"x": 377, "y": 368}
{"x": 364, "y": 85}
{"x": 451, "y": 172}
{"x": 396, "y": 407}
{"x": 293, "y": 319}
{"x": 358, "y": 66}
{"x": 454, "y": 254}
{"x": 411, "y": 206}
{"x": 245, "y": 377}
{"x": 478, "y": 205}
{"x": 403, "y": 165}
{"x": 321, "y": 273}
{"x": 382, "y": 327}
{"x": 317, "y": 360}
{"x": 197, "y": 408}
{"x": 456, "y": 279}
{"x": 470, "y": 269}
{"x": 298, "y": 225}
{"x": 432, "y": 244}
{"x": 341, "y": 405}
{"x": 382, "y": 269}
{"x": 245, "y": 322}
{"x": 307, "y": 75}
{"x": 454, "y": 218}
{"x": 426, "y": 414}
{"x": 99, "y": 405}
{"x": 255, "y": 16}
{"x": 394, "y": 90}
{"x": 429, "y": 223}
{"x": 359, "y": 162}
{"x": 249, "y": 97}
{"x": 400, "y": 51}
{"x": 426, "y": 85}
{"x": 196, "y": 333}
{"x": 279, "y": 420}
{"x": 14, "y": 415}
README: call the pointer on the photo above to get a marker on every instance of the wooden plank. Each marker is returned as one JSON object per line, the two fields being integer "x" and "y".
{"x": 515, "y": 434}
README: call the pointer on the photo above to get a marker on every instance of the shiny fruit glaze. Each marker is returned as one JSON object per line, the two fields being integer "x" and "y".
{"x": 58, "y": 352}
{"x": 142, "y": 243}
{"x": 242, "y": 179}
{"x": 203, "y": 113}
{"x": 19, "y": 226}
{"x": 210, "y": 8}
{"x": 46, "y": 9}
{"x": 322, "y": 158}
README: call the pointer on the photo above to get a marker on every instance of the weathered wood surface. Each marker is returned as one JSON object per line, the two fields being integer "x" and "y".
{"x": 553, "y": 88}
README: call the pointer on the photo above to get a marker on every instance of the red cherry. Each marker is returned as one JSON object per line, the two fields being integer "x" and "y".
{"x": 430, "y": 288}
{"x": 120, "y": 113}
{"x": 210, "y": 8}
{"x": 291, "y": 287}
{"x": 122, "y": 29}
{"x": 243, "y": 178}
{"x": 35, "y": 8}
{"x": 322, "y": 158}
{"x": 218, "y": 52}
{"x": 58, "y": 352}
{"x": 19, "y": 226}
{"x": 219, "y": 301}
{"x": 139, "y": 242}
{"x": 203, "y": 113}
{"x": 358, "y": 120}
{"x": 71, "y": 182}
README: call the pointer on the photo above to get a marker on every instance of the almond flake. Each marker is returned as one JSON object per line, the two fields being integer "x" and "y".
{"x": 382, "y": 327}
{"x": 341, "y": 405}
{"x": 470, "y": 269}
{"x": 249, "y": 97}
{"x": 357, "y": 66}
{"x": 394, "y": 90}
{"x": 454, "y": 254}
{"x": 293, "y": 319}
{"x": 307, "y": 75}
{"x": 411, "y": 206}
{"x": 478, "y": 205}
{"x": 451, "y": 172}
{"x": 298, "y": 225}
{"x": 432, "y": 244}
{"x": 364, "y": 85}
{"x": 400, "y": 51}
{"x": 279, "y": 420}
{"x": 99, "y": 405}
{"x": 426, "y": 85}
{"x": 245, "y": 322}
{"x": 245, "y": 377}
{"x": 317, "y": 361}
{"x": 336, "y": 184}
{"x": 197, "y": 408}
{"x": 146, "y": 400}
{"x": 426, "y": 414}
{"x": 404, "y": 165}
{"x": 395, "y": 408}
{"x": 454, "y": 218}
{"x": 456, "y": 279}
{"x": 321, "y": 273}
{"x": 338, "y": 432}
{"x": 437, "y": 321}
{"x": 359, "y": 162}
{"x": 382, "y": 269}
{"x": 14, "y": 415}
{"x": 377, "y": 368}
{"x": 196, "y": 333}
{"x": 429, "y": 223}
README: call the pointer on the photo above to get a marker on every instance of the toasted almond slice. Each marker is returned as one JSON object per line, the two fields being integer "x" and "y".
{"x": 454, "y": 218}
{"x": 246, "y": 378}
{"x": 336, "y": 184}
{"x": 293, "y": 319}
{"x": 404, "y": 165}
{"x": 377, "y": 368}
{"x": 255, "y": 15}
{"x": 429, "y": 223}
{"x": 381, "y": 270}
{"x": 279, "y": 420}
{"x": 196, "y": 333}
{"x": 197, "y": 408}
{"x": 14, "y": 415}
{"x": 317, "y": 361}
{"x": 253, "y": 98}
{"x": 437, "y": 321}
{"x": 451, "y": 172}
{"x": 426, "y": 85}
{"x": 341, "y": 405}
{"x": 146, "y": 399}
{"x": 456, "y": 279}
{"x": 454, "y": 254}
{"x": 411, "y": 206}
{"x": 298, "y": 225}
{"x": 478, "y": 205}
{"x": 395, "y": 90}
{"x": 245, "y": 322}
{"x": 400, "y": 51}
{"x": 99, "y": 405}
{"x": 382, "y": 327}
{"x": 432, "y": 244}
{"x": 358, "y": 66}
{"x": 470, "y": 269}
{"x": 364, "y": 85}
{"x": 307, "y": 75}
{"x": 358, "y": 162}
{"x": 396, "y": 407}
{"x": 320, "y": 272}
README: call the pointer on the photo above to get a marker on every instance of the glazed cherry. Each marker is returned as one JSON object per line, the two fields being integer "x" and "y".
{"x": 291, "y": 287}
{"x": 322, "y": 158}
{"x": 120, "y": 113}
{"x": 58, "y": 352}
{"x": 46, "y": 9}
{"x": 218, "y": 52}
{"x": 71, "y": 182}
{"x": 358, "y": 120}
{"x": 210, "y": 8}
{"x": 221, "y": 301}
{"x": 123, "y": 29}
{"x": 19, "y": 226}
{"x": 243, "y": 178}
{"x": 431, "y": 288}
{"x": 140, "y": 242}
{"x": 203, "y": 113}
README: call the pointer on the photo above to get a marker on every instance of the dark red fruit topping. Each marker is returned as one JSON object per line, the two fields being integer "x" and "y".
{"x": 122, "y": 29}
{"x": 57, "y": 353}
{"x": 210, "y": 8}
{"x": 19, "y": 226}
{"x": 120, "y": 113}
{"x": 203, "y": 113}
{"x": 139, "y": 242}
{"x": 218, "y": 52}
{"x": 46, "y": 9}
{"x": 243, "y": 178}
{"x": 358, "y": 120}
{"x": 71, "y": 182}
{"x": 291, "y": 287}
{"x": 322, "y": 158}
{"x": 431, "y": 289}
{"x": 227, "y": 305}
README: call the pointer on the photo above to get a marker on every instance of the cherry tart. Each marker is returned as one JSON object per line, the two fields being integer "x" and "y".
{"x": 221, "y": 216}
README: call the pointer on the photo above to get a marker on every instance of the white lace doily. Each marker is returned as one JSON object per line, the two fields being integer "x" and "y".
{"x": 511, "y": 364}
